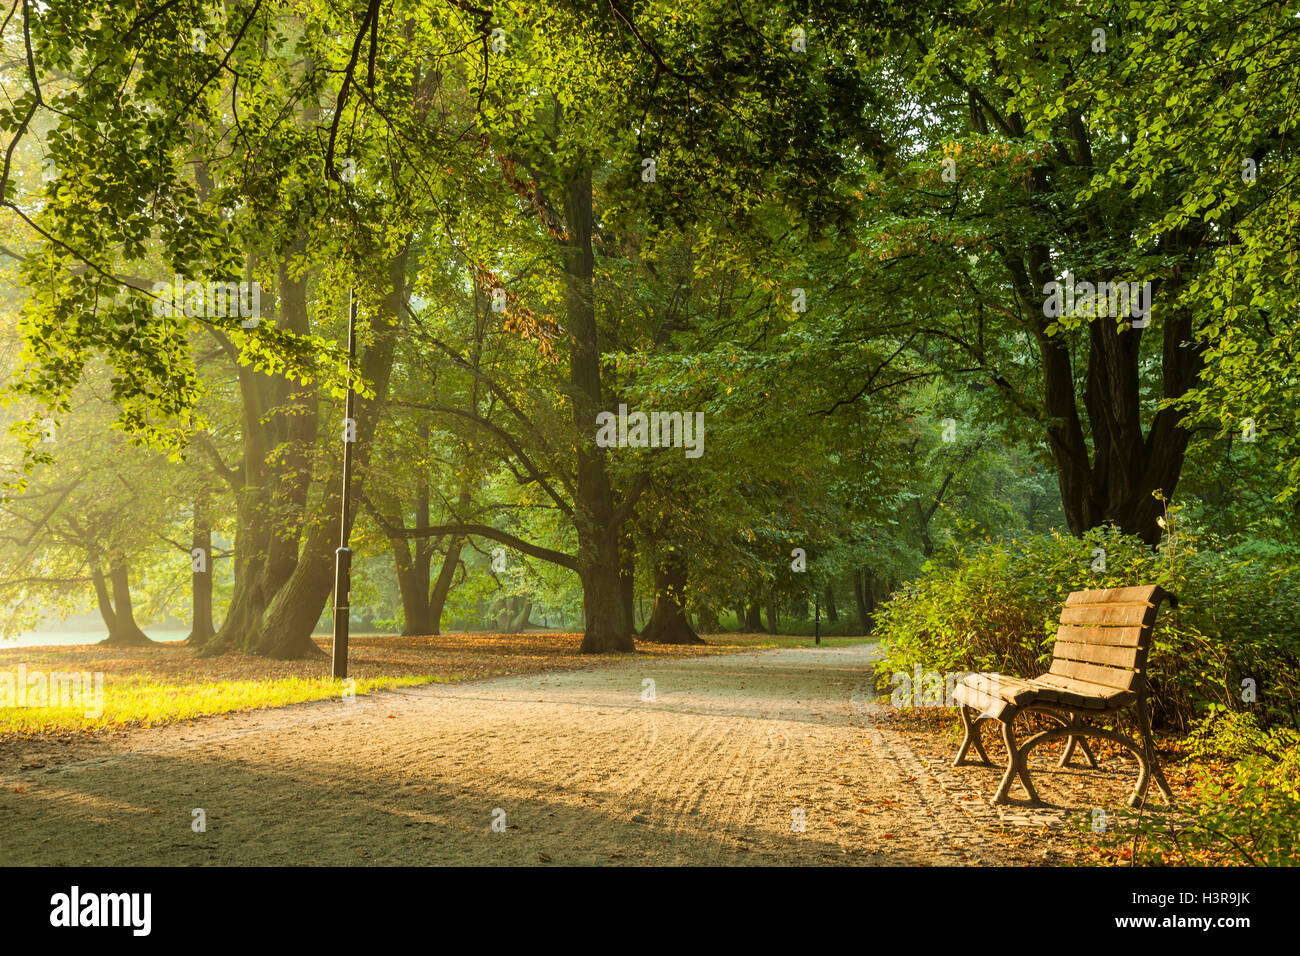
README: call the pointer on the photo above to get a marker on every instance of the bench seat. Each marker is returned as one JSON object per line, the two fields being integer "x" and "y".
{"x": 994, "y": 694}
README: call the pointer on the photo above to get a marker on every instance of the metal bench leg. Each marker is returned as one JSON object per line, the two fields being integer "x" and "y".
{"x": 972, "y": 738}
{"x": 1148, "y": 745}
{"x": 1065, "y": 731}
{"x": 1017, "y": 765}
{"x": 1077, "y": 721}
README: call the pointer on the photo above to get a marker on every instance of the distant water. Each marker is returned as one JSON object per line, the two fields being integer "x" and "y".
{"x": 88, "y": 636}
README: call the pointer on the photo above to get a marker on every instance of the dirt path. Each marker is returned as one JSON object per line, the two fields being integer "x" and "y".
{"x": 716, "y": 769}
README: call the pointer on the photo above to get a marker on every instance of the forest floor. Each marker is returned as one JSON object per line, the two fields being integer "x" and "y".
{"x": 755, "y": 757}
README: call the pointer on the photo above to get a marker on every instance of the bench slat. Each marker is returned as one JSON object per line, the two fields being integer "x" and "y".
{"x": 1115, "y": 656}
{"x": 1084, "y": 694}
{"x": 991, "y": 706}
{"x": 1096, "y": 674}
{"x": 1142, "y": 593}
{"x": 1117, "y": 636}
{"x": 1117, "y": 614}
{"x": 996, "y": 686}
{"x": 1072, "y": 698}
{"x": 1070, "y": 692}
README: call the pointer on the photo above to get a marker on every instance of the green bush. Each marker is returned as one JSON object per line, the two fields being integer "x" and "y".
{"x": 996, "y": 606}
{"x": 1248, "y": 813}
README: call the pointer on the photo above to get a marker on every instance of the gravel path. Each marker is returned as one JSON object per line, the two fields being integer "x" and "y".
{"x": 717, "y": 762}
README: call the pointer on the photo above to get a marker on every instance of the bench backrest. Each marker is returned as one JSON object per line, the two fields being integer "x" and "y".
{"x": 1105, "y": 634}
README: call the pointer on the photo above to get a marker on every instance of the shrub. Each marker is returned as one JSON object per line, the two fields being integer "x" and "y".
{"x": 995, "y": 607}
{"x": 1246, "y": 814}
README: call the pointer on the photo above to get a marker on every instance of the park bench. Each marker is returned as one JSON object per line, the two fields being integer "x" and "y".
{"x": 1099, "y": 665}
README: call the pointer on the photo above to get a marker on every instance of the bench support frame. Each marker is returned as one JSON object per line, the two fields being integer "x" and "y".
{"x": 1074, "y": 729}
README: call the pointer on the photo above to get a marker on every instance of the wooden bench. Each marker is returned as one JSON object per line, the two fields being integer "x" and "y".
{"x": 1099, "y": 664}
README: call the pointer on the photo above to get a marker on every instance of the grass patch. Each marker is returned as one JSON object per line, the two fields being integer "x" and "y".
{"x": 144, "y": 701}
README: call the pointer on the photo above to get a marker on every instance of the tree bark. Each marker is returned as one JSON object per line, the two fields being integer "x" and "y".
{"x": 293, "y": 612}
{"x": 1108, "y": 472}
{"x": 627, "y": 583}
{"x": 413, "y": 584}
{"x": 201, "y": 626}
{"x": 294, "y": 430}
{"x": 442, "y": 586}
{"x": 123, "y": 631}
{"x": 668, "y": 622}
{"x": 864, "y": 598}
{"x": 241, "y": 628}
{"x": 103, "y": 598}
{"x": 598, "y": 532}
{"x": 754, "y": 619}
{"x": 279, "y": 421}
{"x": 832, "y": 615}
{"x": 519, "y": 620}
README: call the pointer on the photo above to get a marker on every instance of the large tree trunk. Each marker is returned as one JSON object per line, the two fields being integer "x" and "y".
{"x": 832, "y": 615}
{"x": 519, "y": 619}
{"x": 294, "y": 430}
{"x": 442, "y": 586}
{"x": 864, "y": 597}
{"x": 754, "y": 619}
{"x": 627, "y": 583}
{"x": 279, "y": 421}
{"x": 1107, "y": 473}
{"x": 104, "y": 599}
{"x": 413, "y": 583}
{"x": 201, "y": 627}
{"x": 242, "y": 625}
{"x": 293, "y": 612}
{"x": 772, "y": 620}
{"x": 859, "y": 598}
{"x": 594, "y": 513}
{"x": 606, "y": 626}
{"x": 668, "y": 622}
{"x": 123, "y": 631}
{"x": 412, "y": 558}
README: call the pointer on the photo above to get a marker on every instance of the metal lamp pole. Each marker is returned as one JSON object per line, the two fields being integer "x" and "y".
{"x": 343, "y": 556}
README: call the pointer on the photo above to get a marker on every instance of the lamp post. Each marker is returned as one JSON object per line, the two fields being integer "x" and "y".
{"x": 343, "y": 556}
